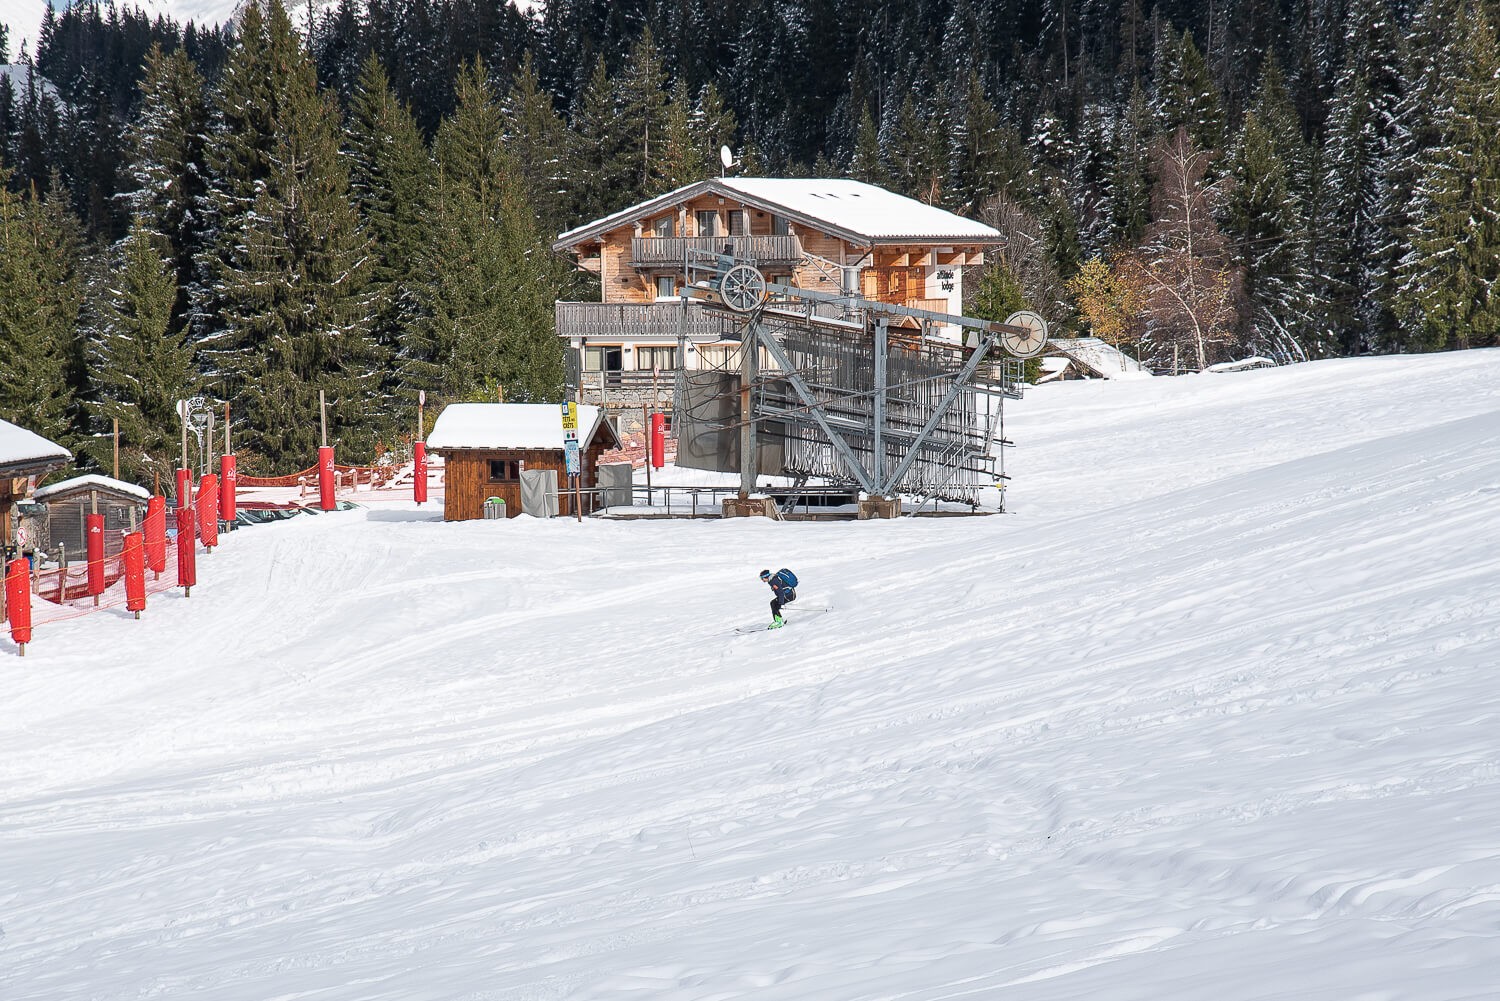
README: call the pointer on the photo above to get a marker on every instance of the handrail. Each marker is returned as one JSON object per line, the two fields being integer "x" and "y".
{"x": 672, "y": 251}
{"x": 637, "y": 319}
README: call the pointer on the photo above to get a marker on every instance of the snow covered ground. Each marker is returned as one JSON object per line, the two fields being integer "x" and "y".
{"x": 1212, "y": 713}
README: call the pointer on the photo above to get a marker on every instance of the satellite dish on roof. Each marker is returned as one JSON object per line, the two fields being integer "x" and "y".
{"x": 726, "y": 157}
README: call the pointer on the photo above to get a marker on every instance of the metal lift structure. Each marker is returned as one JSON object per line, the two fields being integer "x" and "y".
{"x": 860, "y": 392}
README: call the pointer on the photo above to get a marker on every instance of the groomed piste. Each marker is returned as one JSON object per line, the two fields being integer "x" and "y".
{"x": 1210, "y": 713}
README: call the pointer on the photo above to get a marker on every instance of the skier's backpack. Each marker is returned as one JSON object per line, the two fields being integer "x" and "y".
{"x": 787, "y": 577}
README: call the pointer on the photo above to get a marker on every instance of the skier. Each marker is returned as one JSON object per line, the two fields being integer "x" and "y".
{"x": 784, "y": 583}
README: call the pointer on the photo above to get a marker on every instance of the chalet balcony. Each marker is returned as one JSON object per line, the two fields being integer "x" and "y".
{"x": 660, "y": 252}
{"x": 634, "y": 321}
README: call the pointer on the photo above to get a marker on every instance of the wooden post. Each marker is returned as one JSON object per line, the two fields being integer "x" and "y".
{"x": 578, "y": 493}
{"x": 117, "y": 448}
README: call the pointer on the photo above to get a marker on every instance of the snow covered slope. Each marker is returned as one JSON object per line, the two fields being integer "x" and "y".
{"x": 1212, "y": 713}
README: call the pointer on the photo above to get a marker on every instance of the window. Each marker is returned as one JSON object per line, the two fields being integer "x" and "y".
{"x": 718, "y": 356}
{"x": 708, "y": 223}
{"x": 738, "y": 224}
{"x": 650, "y": 359}
{"x": 602, "y": 359}
{"x": 665, "y": 226}
{"x": 505, "y": 470}
{"x": 779, "y": 226}
{"x": 666, "y": 287}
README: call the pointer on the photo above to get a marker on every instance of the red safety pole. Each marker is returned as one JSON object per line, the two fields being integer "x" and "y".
{"x": 18, "y": 601}
{"x": 658, "y": 440}
{"x": 325, "y": 459}
{"x": 208, "y": 510}
{"x": 228, "y": 477}
{"x": 419, "y": 485}
{"x": 94, "y": 545}
{"x": 419, "y": 453}
{"x": 156, "y": 535}
{"x": 134, "y": 558}
{"x": 325, "y": 478}
{"x": 187, "y": 556}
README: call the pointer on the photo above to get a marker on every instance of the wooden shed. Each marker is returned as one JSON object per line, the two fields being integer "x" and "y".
{"x": 487, "y": 446}
{"x": 23, "y": 456}
{"x": 70, "y": 502}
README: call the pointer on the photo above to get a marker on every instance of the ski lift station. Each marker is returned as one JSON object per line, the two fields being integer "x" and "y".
{"x": 808, "y": 329}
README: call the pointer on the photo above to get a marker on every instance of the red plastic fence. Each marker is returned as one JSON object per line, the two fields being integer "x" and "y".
{"x": 60, "y": 585}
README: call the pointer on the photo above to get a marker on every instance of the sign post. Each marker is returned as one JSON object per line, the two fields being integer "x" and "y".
{"x": 571, "y": 456}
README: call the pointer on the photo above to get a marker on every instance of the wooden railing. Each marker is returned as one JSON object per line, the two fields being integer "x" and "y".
{"x": 672, "y": 251}
{"x": 635, "y": 320}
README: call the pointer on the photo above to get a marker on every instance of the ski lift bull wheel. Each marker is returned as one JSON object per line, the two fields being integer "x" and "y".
{"x": 1028, "y": 334}
{"x": 743, "y": 287}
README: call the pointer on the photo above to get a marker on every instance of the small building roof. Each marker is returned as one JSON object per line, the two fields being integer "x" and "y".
{"x": 82, "y": 485}
{"x": 26, "y": 453}
{"x": 860, "y": 213}
{"x": 1098, "y": 358}
{"x": 494, "y": 426}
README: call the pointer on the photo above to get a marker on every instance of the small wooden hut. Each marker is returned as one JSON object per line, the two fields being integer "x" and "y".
{"x": 487, "y": 446}
{"x": 70, "y": 502}
{"x": 23, "y": 456}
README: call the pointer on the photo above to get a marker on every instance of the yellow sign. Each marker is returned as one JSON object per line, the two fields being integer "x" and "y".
{"x": 570, "y": 416}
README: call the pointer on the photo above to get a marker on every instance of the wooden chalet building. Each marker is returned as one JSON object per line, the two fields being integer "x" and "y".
{"x": 833, "y": 235}
{"x": 69, "y": 503}
{"x": 24, "y": 455}
{"x": 487, "y": 446}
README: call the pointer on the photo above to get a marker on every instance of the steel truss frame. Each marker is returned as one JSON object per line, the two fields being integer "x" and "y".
{"x": 850, "y": 405}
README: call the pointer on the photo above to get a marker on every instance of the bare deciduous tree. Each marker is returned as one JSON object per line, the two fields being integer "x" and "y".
{"x": 1190, "y": 289}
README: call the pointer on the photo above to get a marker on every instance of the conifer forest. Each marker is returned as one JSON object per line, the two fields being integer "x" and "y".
{"x": 364, "y": 204}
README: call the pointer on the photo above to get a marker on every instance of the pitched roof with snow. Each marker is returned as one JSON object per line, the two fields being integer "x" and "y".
{"x": 858, "y": 212}
{"x": 1098, "y": 357}
{"x": 93, "y": 481}
{"x": 26, "y": 453}
{"x": 491, "y": 426}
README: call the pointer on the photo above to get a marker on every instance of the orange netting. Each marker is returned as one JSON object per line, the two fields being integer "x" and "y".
{"x": 69, "y": 586}
{"x": 352, "y": 475}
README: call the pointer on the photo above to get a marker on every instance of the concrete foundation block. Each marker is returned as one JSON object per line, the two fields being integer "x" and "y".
{"x": 754, "y": 507}
{"x": 879, "y": 507}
